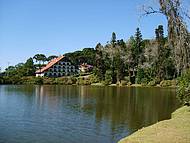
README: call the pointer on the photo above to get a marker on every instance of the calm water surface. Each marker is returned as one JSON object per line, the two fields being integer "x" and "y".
{"x": 79, "y": 114}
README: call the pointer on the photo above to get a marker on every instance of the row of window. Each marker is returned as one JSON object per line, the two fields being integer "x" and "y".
{"x": 64, "y": 63}
{"x": 58, "y": 66}
{"x": 57, "y": 74}
{"x": 62, "y": 70}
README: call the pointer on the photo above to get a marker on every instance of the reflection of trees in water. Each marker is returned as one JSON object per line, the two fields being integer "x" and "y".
{"x": 134, "y": 107}
{"x": 20, "y": 89}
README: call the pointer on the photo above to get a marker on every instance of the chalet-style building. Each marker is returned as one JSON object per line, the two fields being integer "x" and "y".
{"x": 85, "y": 67}
{"x": 58, "y": 67}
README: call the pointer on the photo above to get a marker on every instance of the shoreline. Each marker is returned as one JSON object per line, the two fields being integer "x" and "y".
{"x": 174, "y": 130}
{"x": 101, "y": 85}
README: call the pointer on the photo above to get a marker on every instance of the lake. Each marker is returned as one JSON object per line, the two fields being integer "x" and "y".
{"x": 79, "y": 114}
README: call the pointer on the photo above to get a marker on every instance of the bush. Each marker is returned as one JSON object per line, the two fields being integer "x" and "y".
{"x": 127, "y": 78}
{"x": 167, "y": 83}
{"x": 144, "y": 81}
{"x": 108, "y": 77}
{"x": 12, "y": 80}
{"x": 38, "y": 80}
{"x": 83, "y": 81}
{"x": 140, "y": 75}
{"x": 66, "y": 80}
{"x": 94, "y": 79}
{"x": 183, "y": 88}
{"x": 152, "y": 83}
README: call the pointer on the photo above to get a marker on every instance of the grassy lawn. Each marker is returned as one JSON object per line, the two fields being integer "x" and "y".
{"x": 174, "y": 130}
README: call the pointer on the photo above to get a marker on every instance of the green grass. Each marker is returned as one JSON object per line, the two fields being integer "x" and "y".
{"x": 174, "y": 130}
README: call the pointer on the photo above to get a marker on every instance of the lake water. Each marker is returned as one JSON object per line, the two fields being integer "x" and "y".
{"x": 79, "y": 114}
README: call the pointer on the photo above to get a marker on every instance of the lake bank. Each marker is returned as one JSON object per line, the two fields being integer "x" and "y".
{"x": 176, "y": 129}
{"x": 79, "y": 80}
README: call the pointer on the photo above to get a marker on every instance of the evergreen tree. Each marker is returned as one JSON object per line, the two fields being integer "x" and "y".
{"x": 113, "y": 39}
{"x": 160, "y": 42}
{"x": 29, "y": 67}
{"x": 100, "y": 62}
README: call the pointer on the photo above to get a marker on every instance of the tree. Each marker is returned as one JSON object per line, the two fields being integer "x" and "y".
{"x": 137, "y": 49}
{"x": 119, "y": 63}
{"x": 51, "y": 57}
{"x": 113, "y": 39}
{"x": 160, "y": 43}
{"x": 99, "y": 62}
{"x": 178, "y": 35}
{"x": 29, "y": 67}
{"x": 136, "y": 57}
{"x": 40, "y": 58}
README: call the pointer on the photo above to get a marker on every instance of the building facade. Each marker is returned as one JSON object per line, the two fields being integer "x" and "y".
{"x": 58, "y": 67}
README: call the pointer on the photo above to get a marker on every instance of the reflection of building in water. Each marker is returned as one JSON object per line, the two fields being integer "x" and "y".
{"x": 47, "y": 95}
{"x": 39, "y": 90}
{"x": 82, "y": 92}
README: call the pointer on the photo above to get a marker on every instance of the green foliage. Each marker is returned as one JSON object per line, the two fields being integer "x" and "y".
{"x": 83, "y": 81}
{"x": 144, "y": 81}
{"x": 27, "y": 69}
{"x": 113, "y": 39}
{"x": 140, "y": 75}
{"x": 183, "y": 89}
{"x": 100, "y": 64}
{"x": 167, "y": 83}
{"x": 94, "y": 79}
{"x": 139, "y": 61}
{"x": 51, "y": 57}
{"x": 143, "y": 75}
{"x": 108, "y": 77}
{"x": 38, "y": 80}
{"x": 152, "y": 83}
{"x": 87, "y": 55}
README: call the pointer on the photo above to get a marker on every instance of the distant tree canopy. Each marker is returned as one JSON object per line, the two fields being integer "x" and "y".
{"x": 87, "y": 55}
{"x": 21, "y": 69}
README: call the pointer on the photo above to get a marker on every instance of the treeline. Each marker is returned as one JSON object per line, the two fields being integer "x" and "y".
{"x": 138, "y": 60}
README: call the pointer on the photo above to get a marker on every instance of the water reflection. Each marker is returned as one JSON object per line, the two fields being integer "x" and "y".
{"x": 97, "y": 114}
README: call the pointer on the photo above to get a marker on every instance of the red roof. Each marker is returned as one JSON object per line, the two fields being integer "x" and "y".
{"x": 50, "y": 64}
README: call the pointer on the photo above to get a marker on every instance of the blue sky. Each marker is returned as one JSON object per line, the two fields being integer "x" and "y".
{"x": 54, "y": 27}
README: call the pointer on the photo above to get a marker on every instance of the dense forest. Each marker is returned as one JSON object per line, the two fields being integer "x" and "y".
{"x": 164, "y": 60}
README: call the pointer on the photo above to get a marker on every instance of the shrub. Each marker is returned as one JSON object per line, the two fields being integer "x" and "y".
{"x": 127, "y": 78}
{"x": 167, "y": 83}
{"x": 13, "y": 80}
{"x": 66, "y": 80}
{"x": 140, "y": 75}
{"x": 183, "y": 89}
{"x": 94, "y": 79}
{"x": 152, "y": 83}
{"x": 108, "y": 77}
{"x": 83, "y": 81}
{"x": 38, "y": 80}
{"x": 144, "y": 81}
